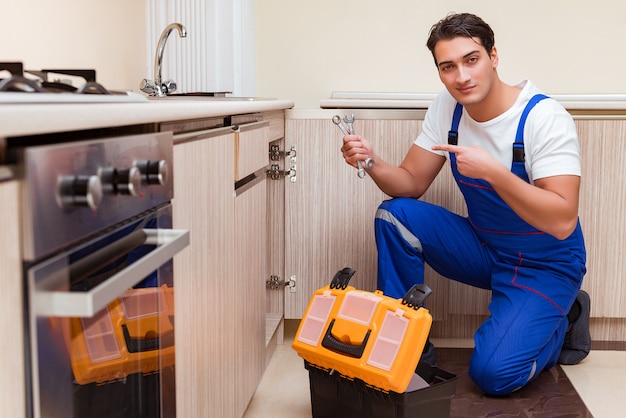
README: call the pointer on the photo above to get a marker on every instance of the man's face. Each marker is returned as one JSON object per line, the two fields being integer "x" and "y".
{"x": 466, "y": 69}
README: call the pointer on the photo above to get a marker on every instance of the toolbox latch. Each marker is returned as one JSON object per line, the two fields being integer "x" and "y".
{"x": 416, "y": 296}
{"x": 342, "y": 278}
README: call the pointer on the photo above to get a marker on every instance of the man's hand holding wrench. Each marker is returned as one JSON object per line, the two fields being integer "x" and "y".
{"x": 369, "y": 162}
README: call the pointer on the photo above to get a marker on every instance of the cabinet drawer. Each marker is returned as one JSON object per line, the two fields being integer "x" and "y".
{"x": 251, "y": 148}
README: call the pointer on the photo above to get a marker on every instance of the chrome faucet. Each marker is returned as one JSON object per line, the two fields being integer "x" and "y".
{"x": 158, "y": 87}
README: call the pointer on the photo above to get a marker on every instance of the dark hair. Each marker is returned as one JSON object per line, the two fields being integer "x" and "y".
{"x": 460, "y": 24}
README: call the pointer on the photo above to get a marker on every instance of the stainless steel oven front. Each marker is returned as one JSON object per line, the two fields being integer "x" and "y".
{"x": 98, "y": 249}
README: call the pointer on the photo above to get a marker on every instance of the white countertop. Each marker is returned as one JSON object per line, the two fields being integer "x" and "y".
{"x": 33, "y": 119}
{"x": 382, "y": 100}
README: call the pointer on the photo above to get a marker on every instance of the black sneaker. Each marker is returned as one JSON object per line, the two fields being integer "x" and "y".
{"x": 577, "y": 338}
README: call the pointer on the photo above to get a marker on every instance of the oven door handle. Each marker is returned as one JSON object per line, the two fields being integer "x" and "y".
{"x": 86, "y": 304}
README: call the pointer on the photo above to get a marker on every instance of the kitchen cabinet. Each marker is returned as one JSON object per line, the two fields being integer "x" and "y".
{"x": 212, "y": 344}
{"x": 602, "y": 203}
{"x": 204, "y": 290}
{"x": 221, "y": 195}
{"x": 251, "y": 159}
{"x": 330, "y": 211}
{"x": 282, "y": 161}
{"x": 330, "y": 216}
{"x": 12, "y": 328}
{"x": 272, "y": 243}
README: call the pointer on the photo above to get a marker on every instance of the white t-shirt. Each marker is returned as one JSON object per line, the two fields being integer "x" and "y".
{"x": 550, "y": 138}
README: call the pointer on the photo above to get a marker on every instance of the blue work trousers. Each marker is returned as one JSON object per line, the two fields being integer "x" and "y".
{"x": 534, "y": 282}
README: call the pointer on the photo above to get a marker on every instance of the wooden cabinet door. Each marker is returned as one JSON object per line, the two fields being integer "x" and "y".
{"x": 250, "y": 263}
{"x": 12, "y": 360}
{"x": 602, "y": 203}
{"x": 329, "y": 213}
{"x": 274, "y": 295}
{"x": 204, "y": 289}
{"x": 330, "y": 219}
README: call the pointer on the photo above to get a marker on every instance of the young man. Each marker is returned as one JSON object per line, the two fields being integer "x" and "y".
{"x": 514, "y": 154}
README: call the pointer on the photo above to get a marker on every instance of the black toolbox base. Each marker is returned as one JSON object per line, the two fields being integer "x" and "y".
{"x": 334, "y": 395}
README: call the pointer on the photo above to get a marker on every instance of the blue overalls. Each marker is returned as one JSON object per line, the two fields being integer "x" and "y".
{"x": 534, "y": 278}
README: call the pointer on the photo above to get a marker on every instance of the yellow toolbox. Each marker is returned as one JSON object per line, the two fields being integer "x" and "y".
{"x": 365, "y": 335}
{"x": 133, "y": 334}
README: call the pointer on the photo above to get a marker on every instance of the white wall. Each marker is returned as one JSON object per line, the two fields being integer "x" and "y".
{"x": 118, "y": 38}
{"x": 306, "y": 49}
{"x": 109, "y": 36}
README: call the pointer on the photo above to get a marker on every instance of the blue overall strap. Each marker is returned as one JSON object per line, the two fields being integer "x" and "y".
{"x": 518, "y": 146}
{"x": 453, "y": 133}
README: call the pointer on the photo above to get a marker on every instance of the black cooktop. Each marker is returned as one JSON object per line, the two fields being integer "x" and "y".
{"x": 47, "y": 80}
{"x": 53, "y": 86}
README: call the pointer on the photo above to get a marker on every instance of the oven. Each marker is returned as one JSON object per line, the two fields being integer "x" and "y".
{"x": 97, "y": 244}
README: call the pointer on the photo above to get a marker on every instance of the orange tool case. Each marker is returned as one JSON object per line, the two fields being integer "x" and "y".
{"x": 365, "y": 335}
{"x": 133, "y": 334}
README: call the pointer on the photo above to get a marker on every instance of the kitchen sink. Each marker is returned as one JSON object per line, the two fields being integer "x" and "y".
{"x": 207, "y": 96}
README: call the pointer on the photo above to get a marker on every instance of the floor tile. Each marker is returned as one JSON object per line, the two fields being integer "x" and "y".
{"x": 598, "y": 380}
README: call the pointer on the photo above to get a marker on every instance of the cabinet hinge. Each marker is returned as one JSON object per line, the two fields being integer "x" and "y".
{"x": 275, "y": 282}
{"x": 276, "y": 153}
{"x": 275, "y": 173}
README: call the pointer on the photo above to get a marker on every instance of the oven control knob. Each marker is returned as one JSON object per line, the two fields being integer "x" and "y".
{"x": 126, "y": 181}
{"x": 79, "y": 192}
{"x": 153, "y": 172}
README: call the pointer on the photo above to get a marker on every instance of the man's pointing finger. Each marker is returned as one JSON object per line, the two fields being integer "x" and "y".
{"x": 446, "y": 147}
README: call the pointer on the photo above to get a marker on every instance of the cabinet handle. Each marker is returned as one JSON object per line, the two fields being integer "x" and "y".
{"x": 250, "y": 126}
{"x": 204, "y": 134}
{"x": 250, "y": 181}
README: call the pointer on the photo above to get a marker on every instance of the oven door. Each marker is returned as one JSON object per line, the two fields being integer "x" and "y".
{"x": 101, "y": 324}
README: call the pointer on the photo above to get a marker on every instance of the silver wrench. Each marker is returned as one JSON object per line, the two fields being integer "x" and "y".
{"x": 369, "y": 162}
{"x": 337, "y": 121}
{"x": 350, "y": 121}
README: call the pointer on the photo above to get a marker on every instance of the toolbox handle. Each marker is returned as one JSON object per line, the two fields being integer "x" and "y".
{"x": 334, "y": 344}
{"x": 342, "y": 278}
{"x": 136, "y": 345}
{"x": 416, "y": 296}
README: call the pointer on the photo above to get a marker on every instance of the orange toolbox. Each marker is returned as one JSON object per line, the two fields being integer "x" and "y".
{"x": 133, "y": 334}
{"x": 365, "y": 335}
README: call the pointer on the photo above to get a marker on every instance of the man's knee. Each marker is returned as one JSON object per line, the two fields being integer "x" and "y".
{"x": 498, "y": 378}
{"x": 399, "y": 210}
{"x": 397, "y": 205}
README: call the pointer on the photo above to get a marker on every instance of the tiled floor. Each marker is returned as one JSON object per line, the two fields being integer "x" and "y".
{"x": 284, "y": 390}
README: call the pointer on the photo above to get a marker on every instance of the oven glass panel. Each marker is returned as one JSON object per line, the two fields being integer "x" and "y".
{"x": 120, "y": 361}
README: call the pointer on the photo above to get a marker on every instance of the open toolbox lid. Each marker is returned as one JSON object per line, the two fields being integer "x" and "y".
{"x": 365, "y": 335}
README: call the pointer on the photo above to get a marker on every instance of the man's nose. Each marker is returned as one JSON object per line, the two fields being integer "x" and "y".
{"x": 463, "y": 74}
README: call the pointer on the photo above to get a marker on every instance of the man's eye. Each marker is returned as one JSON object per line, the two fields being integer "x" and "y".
{"x": 472, "y": 60}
